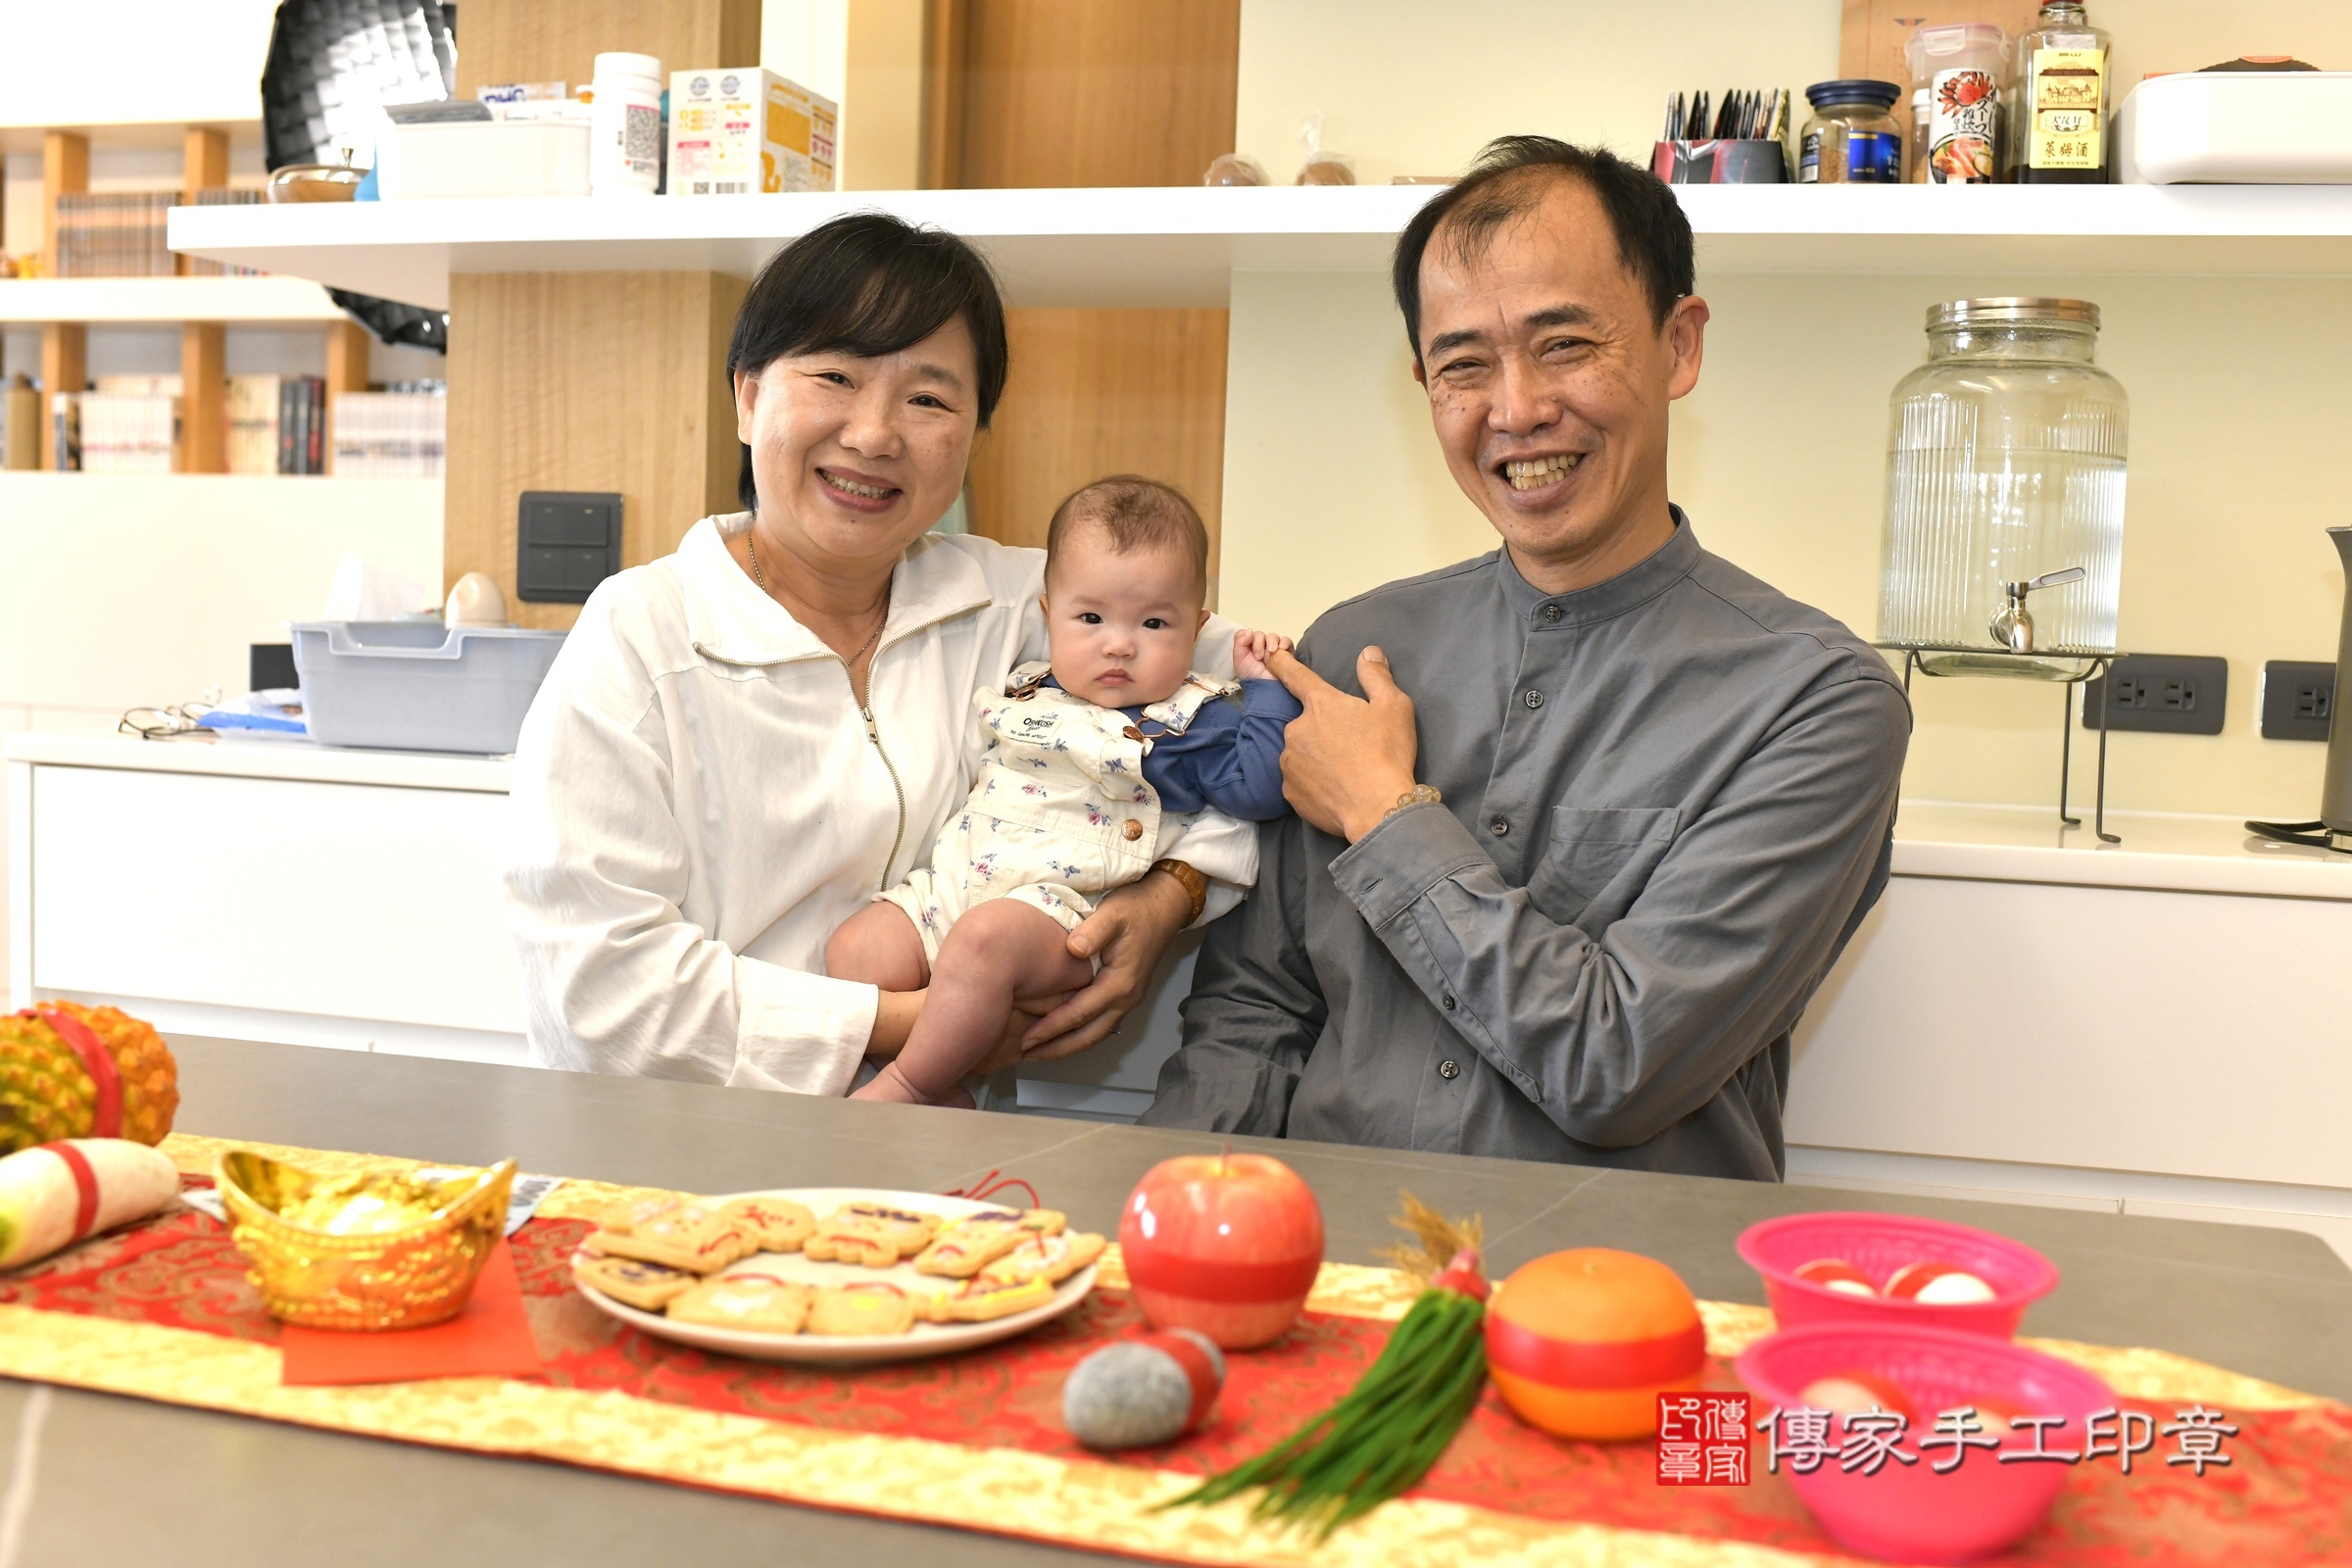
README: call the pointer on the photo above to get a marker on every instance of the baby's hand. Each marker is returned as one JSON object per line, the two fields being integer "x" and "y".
{"x": 1251, "y": 650}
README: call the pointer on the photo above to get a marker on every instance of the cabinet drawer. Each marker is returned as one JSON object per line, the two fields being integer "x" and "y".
{"x": 343, "y": 900}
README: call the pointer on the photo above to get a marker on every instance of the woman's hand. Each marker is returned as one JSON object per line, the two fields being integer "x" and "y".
{"x": 1128, "y": 931}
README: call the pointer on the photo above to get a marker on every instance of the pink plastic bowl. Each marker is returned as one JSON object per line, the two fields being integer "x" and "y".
{"x": 1908, "y": 1513}
{"x": 1879, "y": 1245}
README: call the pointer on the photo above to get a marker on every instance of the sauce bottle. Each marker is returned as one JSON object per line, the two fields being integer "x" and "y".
{"x": 2059, "y": 101}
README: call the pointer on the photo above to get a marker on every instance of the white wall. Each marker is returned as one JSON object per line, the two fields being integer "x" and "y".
{"x": 1333, "y": 482}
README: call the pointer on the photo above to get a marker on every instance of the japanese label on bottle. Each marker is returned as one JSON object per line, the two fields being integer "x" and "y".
{"x": 1963, "y": 110}
{"x": 1872, "y": 157}
{"x": 2070, "y": 104}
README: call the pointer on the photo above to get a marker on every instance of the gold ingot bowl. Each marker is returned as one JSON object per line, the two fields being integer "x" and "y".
{"x": 382, "y": 1250}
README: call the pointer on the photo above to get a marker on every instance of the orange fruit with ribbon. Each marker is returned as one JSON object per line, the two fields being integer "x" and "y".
{"x": 1581, "y": 1343}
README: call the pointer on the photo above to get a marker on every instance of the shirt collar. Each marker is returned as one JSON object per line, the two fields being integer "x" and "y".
{"x": 1637, "y": 584}
{"x": 731, "y": 620}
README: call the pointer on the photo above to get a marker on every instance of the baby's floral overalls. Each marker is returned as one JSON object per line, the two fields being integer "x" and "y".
{"x": 1061, "y": 814}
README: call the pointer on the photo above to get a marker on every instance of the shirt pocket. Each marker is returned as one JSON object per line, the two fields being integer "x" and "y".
{"x": 1599, "y": 859}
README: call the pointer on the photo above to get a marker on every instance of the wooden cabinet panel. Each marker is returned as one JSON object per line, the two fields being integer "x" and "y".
{"x": 586, "y": 381}
{"x": 1096, "y": 392}
{"x": 1097, "y": 92}
{"x": 559, "y": 41}
{"x": 1092, "y": 93}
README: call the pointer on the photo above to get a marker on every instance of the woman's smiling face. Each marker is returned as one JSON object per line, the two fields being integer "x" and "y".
{"x": 854, "y": 458}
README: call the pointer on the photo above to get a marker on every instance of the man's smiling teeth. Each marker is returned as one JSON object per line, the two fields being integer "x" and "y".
{"x": 871, "y": 492}
{"x": 1534, "y": 473}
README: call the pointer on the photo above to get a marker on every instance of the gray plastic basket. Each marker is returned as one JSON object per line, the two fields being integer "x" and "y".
{"x": 417, "y": 686}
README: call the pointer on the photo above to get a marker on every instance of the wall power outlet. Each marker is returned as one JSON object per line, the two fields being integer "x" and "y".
{"x": 2174, "y": 694}
{"x": 2298, "y": 699}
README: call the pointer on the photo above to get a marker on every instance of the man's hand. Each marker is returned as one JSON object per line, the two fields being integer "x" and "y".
{"x": 1128, "y": 931}
{"x": 1346, "y": 760}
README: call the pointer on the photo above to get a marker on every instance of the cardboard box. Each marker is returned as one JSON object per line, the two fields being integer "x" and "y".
{"x": 735, "y": 132}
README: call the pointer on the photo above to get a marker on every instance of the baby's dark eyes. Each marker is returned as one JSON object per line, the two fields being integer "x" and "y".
{"x": 1088, "y": 617}
{"x": 1154, "y": 623}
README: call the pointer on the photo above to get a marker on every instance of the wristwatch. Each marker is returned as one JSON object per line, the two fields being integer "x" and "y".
{"x": 1196, "y": 886}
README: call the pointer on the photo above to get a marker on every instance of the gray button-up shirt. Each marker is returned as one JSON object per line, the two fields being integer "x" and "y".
{"x": 1669, "y": 801}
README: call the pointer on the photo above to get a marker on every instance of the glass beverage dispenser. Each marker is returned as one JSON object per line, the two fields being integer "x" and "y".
{"x": 2004, "y": 542}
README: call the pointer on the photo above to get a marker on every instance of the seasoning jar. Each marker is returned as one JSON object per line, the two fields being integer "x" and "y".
{"x": 1853, "y": 139}
{"x": 1915, "y": 152}
{"x": 1962, "y": 67}
{"x": 2004, "y": 463}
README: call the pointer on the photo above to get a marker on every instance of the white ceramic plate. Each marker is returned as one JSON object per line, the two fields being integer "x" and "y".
{"x": 826, "y": 1349}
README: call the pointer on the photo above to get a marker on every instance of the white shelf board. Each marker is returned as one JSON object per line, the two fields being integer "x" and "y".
{"x": 1180, "y": 245}
{"x": 164, "y": 299}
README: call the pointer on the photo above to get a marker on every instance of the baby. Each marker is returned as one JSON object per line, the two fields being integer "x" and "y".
{"x": 1093, "y": 763}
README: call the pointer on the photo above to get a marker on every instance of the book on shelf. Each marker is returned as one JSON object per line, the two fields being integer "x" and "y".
{"x": 392, "y": 435}
{"x": 121, "y": 234}
{"x": 118, "y": 432}
{"x": 301, "y": 425}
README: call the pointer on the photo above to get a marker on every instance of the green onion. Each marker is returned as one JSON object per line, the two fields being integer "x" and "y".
{"x": 1385, "y": 1432}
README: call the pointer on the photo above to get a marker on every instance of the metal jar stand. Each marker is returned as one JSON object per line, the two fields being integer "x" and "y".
{"x": 2094, "y": 666}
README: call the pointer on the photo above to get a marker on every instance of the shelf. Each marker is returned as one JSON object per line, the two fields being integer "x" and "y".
{"x": 2165, "y": 851}
{"x": 104, "y": 301}
{"x": 1180, "y": 245}
{"x": 19, "y": 137}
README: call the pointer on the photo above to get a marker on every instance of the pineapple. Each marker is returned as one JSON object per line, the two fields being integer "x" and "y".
{"x": 46, "y": 1092}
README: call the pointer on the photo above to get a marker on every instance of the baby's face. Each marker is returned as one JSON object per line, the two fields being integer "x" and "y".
{"x": 1121, "y": 626}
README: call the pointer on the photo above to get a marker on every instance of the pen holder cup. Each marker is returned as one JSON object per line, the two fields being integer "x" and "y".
{"x": 1757, "y": 162}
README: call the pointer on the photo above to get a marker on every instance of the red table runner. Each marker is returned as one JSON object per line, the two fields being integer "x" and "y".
{"x": 2285, "y": 1497}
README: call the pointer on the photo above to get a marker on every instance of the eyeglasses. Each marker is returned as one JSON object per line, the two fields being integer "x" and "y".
{"x": 167, "y": 723}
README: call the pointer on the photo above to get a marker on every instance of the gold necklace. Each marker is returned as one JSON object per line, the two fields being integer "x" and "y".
{"x": 751, "y": 543}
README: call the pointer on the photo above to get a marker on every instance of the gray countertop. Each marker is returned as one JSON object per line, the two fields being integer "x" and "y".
{"x": 119, "y": 1480}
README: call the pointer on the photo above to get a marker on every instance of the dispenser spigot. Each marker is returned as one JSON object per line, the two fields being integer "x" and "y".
{"x": 2012, "y": 625}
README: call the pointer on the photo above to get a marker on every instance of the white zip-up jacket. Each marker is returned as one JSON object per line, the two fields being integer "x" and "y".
{"x": 698, "y": 803}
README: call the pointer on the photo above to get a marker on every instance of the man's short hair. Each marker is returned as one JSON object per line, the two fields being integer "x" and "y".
{"x": 1511, "y": 178}
{"x": 1138, "y": 513}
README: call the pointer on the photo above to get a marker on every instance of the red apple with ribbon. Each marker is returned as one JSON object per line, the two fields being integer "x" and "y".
{"x": 1227, "y": 1245}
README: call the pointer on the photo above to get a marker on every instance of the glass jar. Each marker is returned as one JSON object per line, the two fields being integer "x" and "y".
{"x": 1851, "y": 139}
{"x": 2004, "y": 463}
{"x": 1961, "y": 68}
{"x": 1915, "y": 155}
{"x": 2059, "y": 104}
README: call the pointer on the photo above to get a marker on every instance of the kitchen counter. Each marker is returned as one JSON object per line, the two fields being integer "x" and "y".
{"x": 276, "y": 759}
{"x": 2162, "y": 850}
{"x": 123, "y": 1481}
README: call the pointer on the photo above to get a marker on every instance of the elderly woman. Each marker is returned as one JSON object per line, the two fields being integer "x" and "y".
{"x": 742, "y": 744}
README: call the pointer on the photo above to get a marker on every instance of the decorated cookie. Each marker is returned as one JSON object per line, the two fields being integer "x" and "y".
{"x": 621, "y": 1218}
{"x": 977, "y": 1301}
{"x": 862, "y": 1310}
{"x": 752, "y": 1301}
{"x": 965, "y": 1247}
{"x": 694, "y": 1237}
{"x": 775, "y": 1224}
{"x": 647, "y": 1287}
{"x": 873, "y": 1234}
{"x": 1051, "y": 1258}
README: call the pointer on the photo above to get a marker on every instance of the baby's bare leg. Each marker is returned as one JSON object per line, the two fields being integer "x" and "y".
{"x": 1000, "y": 949}
{"x": 879, "y": 946}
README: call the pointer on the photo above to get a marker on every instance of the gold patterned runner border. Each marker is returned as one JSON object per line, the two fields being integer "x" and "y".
{"x": 1353, "y": 1290}
{"x": 1074, "y": 1502}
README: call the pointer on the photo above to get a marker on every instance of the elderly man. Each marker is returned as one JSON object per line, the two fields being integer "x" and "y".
{"x": 1583, "y": 822}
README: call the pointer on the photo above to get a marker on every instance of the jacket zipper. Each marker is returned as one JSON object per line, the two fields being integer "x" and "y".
{"x": 876, "y": 735}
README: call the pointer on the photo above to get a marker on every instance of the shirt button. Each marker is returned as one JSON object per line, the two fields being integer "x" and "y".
{"x": 1133, "y": 830}
{"x": 1499, "y": 827}
{"x": 1448, "y": 1069}
{"x": 1552, "y": 614}
{"x": 1448, "y": 1000}
{"x": 1535, "y": 699}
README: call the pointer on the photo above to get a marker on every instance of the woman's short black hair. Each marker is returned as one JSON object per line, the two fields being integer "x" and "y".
{"x": 868, "y": 285}
{"x": 1653, "y": 236}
